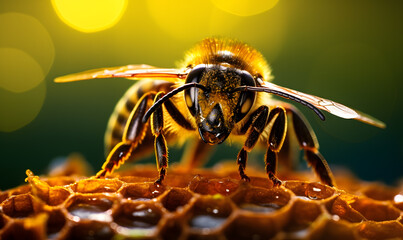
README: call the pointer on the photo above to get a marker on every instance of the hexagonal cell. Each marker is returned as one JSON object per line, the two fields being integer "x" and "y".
{"x": 380, "y": 192}
{"x": 306, "y": 207}
{"x": 137, "y": 219}
{"x": 342, "y": 208}
{"x": 374, "y": 210}
{"x": 26, "y": 188}
{"x": 303, "y": 213}
{"x": 97, "y": 186}
{"x": 261, "y": 200}
{"x": 142, "y": 191}
{"x": 253, "y": 226}
{"x": 172, "y": 229}
{"x": 51, "y": 195}
{"x": 32, "y": 228}
{"x": 95, "y": 207}
{"x": 209, "y": 214}
{"x": 56, "y": 221}
{"x": 213, "y": 186}
{"x": 2, "y": 221}
{"x": 179, "y": 180}
{"x": 261, "y": 182}
{"x": 60, "y": 181}
{"x": 3, "y": 196}
{"x": 176, "y": 198}
{"x": 310, "y": 191}
{"x": 90, "y": 230}
{"x": 18, "y": 206}
{"x": 328, "y": 228}
{"x": 380, "y": 230}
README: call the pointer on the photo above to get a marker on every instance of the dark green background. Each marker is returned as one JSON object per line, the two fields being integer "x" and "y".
{"x": 347, "y": 51}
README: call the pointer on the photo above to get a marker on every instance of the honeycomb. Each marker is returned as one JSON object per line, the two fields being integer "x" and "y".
{"x": 199, "y": 204}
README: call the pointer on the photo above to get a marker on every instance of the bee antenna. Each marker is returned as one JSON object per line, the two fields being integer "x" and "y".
{"x": 160, "y": 101}
{"x": 284, "y": 95}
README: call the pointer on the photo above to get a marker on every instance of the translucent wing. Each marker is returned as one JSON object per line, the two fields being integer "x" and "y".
{"x": 327, "y": 105}
{"x": 129, "y": 71}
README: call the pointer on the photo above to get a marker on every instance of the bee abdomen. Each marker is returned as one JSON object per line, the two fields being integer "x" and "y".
{"x": 126, "y": 104}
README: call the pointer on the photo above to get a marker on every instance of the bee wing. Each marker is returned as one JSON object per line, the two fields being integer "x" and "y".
{"x": 128, "y": 71}
{"x": 328, "y": 105}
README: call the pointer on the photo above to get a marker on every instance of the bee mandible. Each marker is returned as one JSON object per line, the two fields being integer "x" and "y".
{"x": 220, "y": 92}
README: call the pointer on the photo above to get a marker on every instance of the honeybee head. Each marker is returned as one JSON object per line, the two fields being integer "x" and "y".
{"x": 218, "y": 97}
{"x": 217, "y": 108}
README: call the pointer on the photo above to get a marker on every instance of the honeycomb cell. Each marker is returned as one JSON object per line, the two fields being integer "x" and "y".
{"x": 379, "y": 192}
{"x": 138, "y": 219}
{"x": 380, "y": 230}
{"x": 180, "y": 181}
{"x": 261, "y": 200}
{"x": 18, "y": 206}
{"x": 304, "y": 212}
{"x": 330, "y": 229}
{"x": 375, "y": 211}
{"x": 60, "y": 181}
{"x": 32, "y": 228}
{"x": 213, "y": 186}
{"x": 252, "y": 226}
{"x": 3, "y": 196}
{"x": 55, "y": 222}
{"x": 208, "y": 214}
{"x": 2, "y": 221}
{"x": 310, "y": 191}
{"x": 341, "y": 207}
{"x": 262, "y": 182}
{"x": 142, "y": 191}
{"x": 50, "y": 195}
{"x": 176, "y": 198}
{"x": 90, "y": 230}
{"x": 97, "y": 185}
{"x": 172, "y": 229}
{"x": 95, "y": 207}
{"x": 16, "y": 191}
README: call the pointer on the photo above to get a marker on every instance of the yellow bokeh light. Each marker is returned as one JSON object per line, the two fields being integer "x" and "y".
{"x": 182, "y": 19}
{"x": 19, "y": 72}
{"x": 26, "y": 55}
{"x": 245, "y": 8}
{"x": 90, "y": 15}
{"x": 19, "y": 109}
{"x": 26, "y": 33}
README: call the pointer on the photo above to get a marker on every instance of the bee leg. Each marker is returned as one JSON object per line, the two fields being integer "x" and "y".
{"x": 253, "y": 128}
{"x": 309, "y": 143}
{"x": 161, "y": 150}
{"x": 133, "y": 134}
{"x": 277, "y": 123}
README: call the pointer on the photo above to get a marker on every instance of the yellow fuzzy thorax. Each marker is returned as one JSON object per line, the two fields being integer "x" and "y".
{"x": 241, "y": 56}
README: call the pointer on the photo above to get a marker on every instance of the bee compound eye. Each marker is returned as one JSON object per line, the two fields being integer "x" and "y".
{"x": 191, "y": 94}
{"x": 246, "y": 98}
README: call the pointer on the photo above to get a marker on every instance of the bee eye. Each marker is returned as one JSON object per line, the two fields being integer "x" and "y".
{"x": 246, "y": 98}
{"x": 191, "y": 94}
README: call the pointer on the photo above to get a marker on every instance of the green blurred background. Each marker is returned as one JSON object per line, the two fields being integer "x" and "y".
{"x": 347, "y": 51}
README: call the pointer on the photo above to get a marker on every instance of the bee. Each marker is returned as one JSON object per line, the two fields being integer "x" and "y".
{"x": 222, "y": 91}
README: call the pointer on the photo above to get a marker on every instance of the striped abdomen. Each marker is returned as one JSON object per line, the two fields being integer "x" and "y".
{"x": 123, "y": 108}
